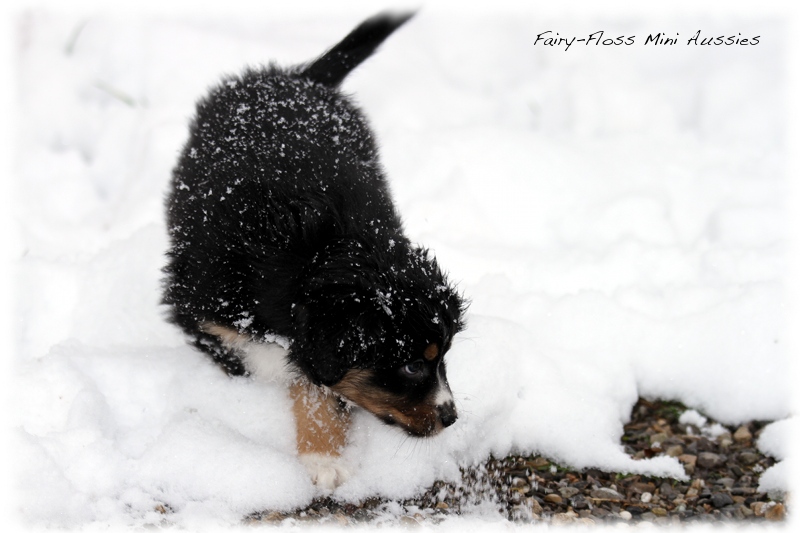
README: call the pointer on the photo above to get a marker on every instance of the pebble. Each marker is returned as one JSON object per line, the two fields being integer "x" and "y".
{"x": 565, "y": 518}
{"x": 720, "y": 500}
{"x": 726, "y": 482}
{"x": 759, "y": 508}
{"x": 776, "y": 512}
{"x": 534, "y": 506}
{"x": 742, "y": 434}
{"x": 688, "y": 460}
{"x": 538, "y": 462}
{"x": 667, "y": 491}
{"x": 658, "y": 439}
{"x": 553, "y": 498}
{"x": 646, "y": 497}
{"x": 709, "y": 459}
{"x": 625, "y": 515}
{"x": 568, "y": 492}
{"x": 579, "y": 502}
{"x": 409, "y": 521}
{"x": 519, "y": 482}
{"x": 606, "y": 493}
{"x": 643, "y": 487}
{"x": 676, "y": 450}
{"x": 747, "y": 458}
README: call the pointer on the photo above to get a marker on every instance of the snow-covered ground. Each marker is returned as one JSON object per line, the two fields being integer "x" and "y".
{"x": 615, "y": 213}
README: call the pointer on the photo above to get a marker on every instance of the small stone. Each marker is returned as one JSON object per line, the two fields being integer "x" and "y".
{"x": 519, "y": 482}
{"x": 579, "y": 502}
{"x": 274, "y": 516}
{"x": 646, "y": 497}
{"x": 692, "y": 492}
{"x": 720, "y": 500}
{"x": 742, "y": 434}
{"x": 635, "y": 509}
{"x": 676, "y": 450}
{"x": 708, "y": 459}
{"x": 723, "y": 435}
{"x": 605, "y": 493}
{"x": 625, "y": 515}
{"x": 442, "y": 505}
{"x": 759, "y": 508}
{"x": 687, "y": 459}
{"x": 565, "y": 518}
{"x": 640, "y": 487}
{"x": 538, "y": 462}
{"x": 568, "y": 492}
{"x": 534, "y": 506}
{"x": 553, "y": 498}
{"x": 667, "y": 491}
{"x": 659, "y": 511}
{"x": 748, "y": 458}
{"x": 408, "y": 521}
{"x": 776, "y": 513}
{"x": 658, "y": 439}
{"x": 726, "y": 482}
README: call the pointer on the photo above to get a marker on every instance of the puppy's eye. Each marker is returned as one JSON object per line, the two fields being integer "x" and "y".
{"x": 413, "y": 370}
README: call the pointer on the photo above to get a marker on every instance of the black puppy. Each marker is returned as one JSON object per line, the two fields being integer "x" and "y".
{"x": 288, "y": 258}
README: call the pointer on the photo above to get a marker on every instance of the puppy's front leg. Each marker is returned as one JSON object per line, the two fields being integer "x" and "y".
{"x": 322, "y": 424}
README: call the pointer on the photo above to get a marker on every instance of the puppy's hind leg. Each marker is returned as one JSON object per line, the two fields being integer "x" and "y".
{"x": 322, "y": 424}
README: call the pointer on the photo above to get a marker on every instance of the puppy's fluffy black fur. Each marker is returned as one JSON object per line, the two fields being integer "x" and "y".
{"x": 281, "y": 223}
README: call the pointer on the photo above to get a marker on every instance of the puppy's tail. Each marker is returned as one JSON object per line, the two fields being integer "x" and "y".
{"x": 335, "y": 64}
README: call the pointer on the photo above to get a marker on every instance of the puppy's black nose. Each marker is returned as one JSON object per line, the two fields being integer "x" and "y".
{"x": 447, "y": 414}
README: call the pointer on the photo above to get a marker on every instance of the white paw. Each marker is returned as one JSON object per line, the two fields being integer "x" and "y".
{"x": 326, "y": 471}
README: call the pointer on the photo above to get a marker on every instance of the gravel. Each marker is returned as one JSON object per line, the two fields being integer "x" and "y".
{"x": 723, "y": 469}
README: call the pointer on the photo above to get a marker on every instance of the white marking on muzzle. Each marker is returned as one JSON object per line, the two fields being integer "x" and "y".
{"x": 443, "y": 395}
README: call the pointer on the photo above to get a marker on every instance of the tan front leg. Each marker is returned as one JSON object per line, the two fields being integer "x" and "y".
{"x": 322, "y": 425}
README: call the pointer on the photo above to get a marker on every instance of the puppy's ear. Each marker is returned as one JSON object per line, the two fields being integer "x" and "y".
{"x": 318, "y": 345}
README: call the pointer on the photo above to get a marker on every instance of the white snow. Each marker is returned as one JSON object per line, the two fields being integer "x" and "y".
{"x": 616, "y": 215}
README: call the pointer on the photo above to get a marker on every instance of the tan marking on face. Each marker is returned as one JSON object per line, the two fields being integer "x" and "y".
{"x": 322, "y": 422}
{"x": 419, "y": 419}
{"x": 431, "y": 352}
{"x": 230, "y": 338}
